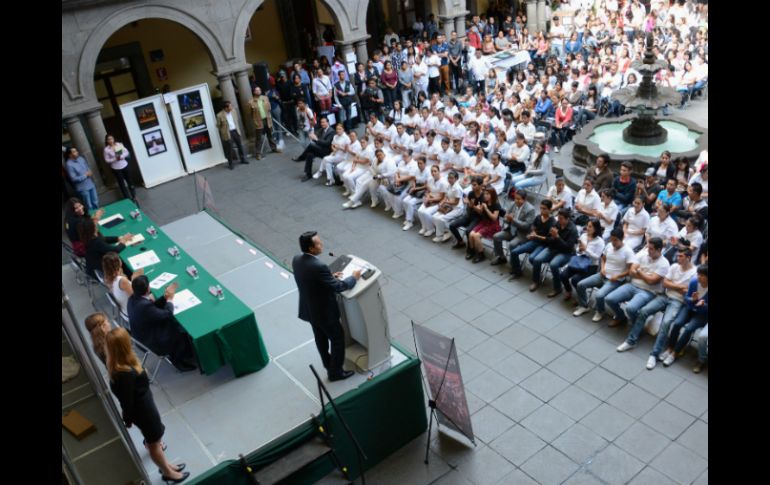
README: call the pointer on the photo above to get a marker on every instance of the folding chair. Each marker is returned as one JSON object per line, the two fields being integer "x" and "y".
{"x": 81, "y": 274}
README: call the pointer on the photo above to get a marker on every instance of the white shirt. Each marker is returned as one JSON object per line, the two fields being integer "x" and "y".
{"x": 565, "y": 195}
{"x": 594, "y": 248}
{"x": 695, "y": 238}
{"x": 444, "y": 157}
{"x": 455, "y": 192}
{"x": 451, "y": 111}
{"x": 433, "y": 63}
{"x": 420, "y": 72}
{"x": 678, "y": 276}
{"x": 341, "y": 141}
{"x": 520, "y": 153}
{"x": 304, "y": 118}
{"x": 528, "y": 130}
{"x": 459, "y": 160}
{"x": 588, "y": 201}
{"x": 419, "y": 146}
{"x": 322, "y": 86}
{"x": 436, "y": 187}
{"x": 456, "y": 131}
{"x": 424, "y": 176}
{"x": 502, "y": 171}
{"x": 609, "y": 212}
{"x": 230, "y": 122}
{"x": 665, "y": 230}
{"x": 482, "y": 167}
{"x": 637, "y": 220}
{"x": 617, "y": 260}
{"x": 649, "y": 266}
{"x": 479, "y": 66}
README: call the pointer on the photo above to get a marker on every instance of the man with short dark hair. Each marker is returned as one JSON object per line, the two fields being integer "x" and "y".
{"x": 625, "y": 187}
{"x": 647, "y": 275}
{"x": 318, "y": 304}
{"x": 560, "y": 246}
{"x": 154, "y": 325}
{"x": 472, "y": 203}
{"x": 517, "y": 222}
{"x": 260, "y": 114}
{"x": 227, "y": 122}
{"x": 536, "y": 239}
{"x": 320, "y": 146}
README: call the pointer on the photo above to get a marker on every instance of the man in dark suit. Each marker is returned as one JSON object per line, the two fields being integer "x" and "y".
{"x": 154, "y": 325}
{"x": 318, "y": 304}
{"x": 320, "y": 146}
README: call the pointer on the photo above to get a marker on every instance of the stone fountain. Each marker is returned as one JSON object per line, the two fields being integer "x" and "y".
{"x": 640, "y": 137}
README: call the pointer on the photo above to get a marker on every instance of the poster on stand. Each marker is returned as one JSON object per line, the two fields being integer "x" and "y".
{"x": 196, "y": 127}
{"x": 152, "y": 136}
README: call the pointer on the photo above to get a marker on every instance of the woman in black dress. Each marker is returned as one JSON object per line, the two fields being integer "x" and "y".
{"x": 75, "y": 213}
{"x": 130, "y": 384}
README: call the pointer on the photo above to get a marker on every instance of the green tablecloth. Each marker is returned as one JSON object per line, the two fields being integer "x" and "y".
{"x": 223, "y": 332}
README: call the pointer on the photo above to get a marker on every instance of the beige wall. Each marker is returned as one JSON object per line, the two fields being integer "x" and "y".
{"x": 324, "y": 16}
{"x": 267, "y": 43}
{"x": 186, "y": 59}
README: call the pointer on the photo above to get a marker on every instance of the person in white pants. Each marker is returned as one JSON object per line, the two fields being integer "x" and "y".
{"x": 381, "y": 171}
{"x": 338, "y": 154}
{"x": 435, "y": 194}
{"x": 406, "y": 172}
{"x": 367, "y": 182}
{"x": 454, "y": 207}
{"x": 419, "y": 185}
{"x": 385, "y": 178}
{"x": 351, "y": 151}
{"x": 359, "y": 167}
{"x": 498, "y": 174}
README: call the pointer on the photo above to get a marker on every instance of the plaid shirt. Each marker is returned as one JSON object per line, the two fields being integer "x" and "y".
{"x": 396, "y": 58}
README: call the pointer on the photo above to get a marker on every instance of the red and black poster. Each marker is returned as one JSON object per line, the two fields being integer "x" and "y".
{"x": 439, "y": 359}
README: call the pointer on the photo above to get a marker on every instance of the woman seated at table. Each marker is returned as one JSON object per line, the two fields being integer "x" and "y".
{"x": 97, "y": 245}
{"x": 488, "y": 46}
{"x": 75, "y": 213}
{"x": 116, "y": 280}
{"x": 501, "y": 42}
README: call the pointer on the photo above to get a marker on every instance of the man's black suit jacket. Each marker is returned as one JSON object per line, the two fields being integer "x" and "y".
{"x": 317, "y": 288}
{"x": 153, "y": 323}
{"x": 324, "y": 142}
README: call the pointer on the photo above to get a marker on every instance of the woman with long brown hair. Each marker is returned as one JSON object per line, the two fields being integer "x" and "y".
{"x": 489, "y": 212}
{"x": 98, "y": 325}
{"x": 130, "y": 384}
{"x": 116, "y": 280}
{"x": 97, "y": 245}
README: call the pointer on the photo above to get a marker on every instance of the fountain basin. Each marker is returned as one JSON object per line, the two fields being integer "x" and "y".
{"x": 685, "y": 139}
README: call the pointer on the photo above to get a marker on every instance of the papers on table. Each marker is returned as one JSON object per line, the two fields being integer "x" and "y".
{"x": 144, "y": 259}
{"x": 161, "y": 280}
{"x": 184, "y": 300}
{"x": 136, "y": 239}
{"x": 111, "y": 221}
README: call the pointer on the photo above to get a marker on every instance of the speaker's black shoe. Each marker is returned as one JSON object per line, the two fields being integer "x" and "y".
{"x": 338, "y": 376}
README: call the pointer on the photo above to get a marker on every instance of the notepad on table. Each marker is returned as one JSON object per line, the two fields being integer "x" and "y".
{"x": 144, "y": 259}
{"x": 184, "y": 300}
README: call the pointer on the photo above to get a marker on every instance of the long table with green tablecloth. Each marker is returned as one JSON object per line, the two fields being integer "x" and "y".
{"x": 222, "y": 331}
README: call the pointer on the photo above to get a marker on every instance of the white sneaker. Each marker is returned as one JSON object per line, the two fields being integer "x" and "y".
{"x": 317, "y": 175}
{"x": 556, "y": 149}
{"x": 421, "y": 231}
{"x": 397, "y": 216}
{"x": 625, "y": 346}
{"x": 651, "y": 362}
{"x": 429, "y": 233}
{"x": 446, "y": 237}
{"x": 670, "y": 358}
{"x": 356, "y": 204}
{"x": 408, "y": 226}
{"x": 437, "y": 239}
{"x": 347, "y": 205}
{"x": 374, "y": 204}
{"x": 663, "y": 356}
{"x": 597, "y": 317}
{"x": 387, "y": 208}
{"x": 346, "y": 193}
{"x": 580, "y": 310}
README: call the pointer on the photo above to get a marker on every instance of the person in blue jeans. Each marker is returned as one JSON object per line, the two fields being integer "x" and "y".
{"x": 81, "y": 176}
{"x": 615, "y": 265}
{"x": 646, "y": 281}
{"x": 536, "y": 172}
{"x": 697, "y": 316}
{"x": 671, "y": 303}
{"x": 536, "y": 239}
{"x": 560, "y": 246}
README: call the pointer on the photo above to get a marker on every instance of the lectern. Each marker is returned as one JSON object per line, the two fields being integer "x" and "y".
{"x": 364, "y": 317}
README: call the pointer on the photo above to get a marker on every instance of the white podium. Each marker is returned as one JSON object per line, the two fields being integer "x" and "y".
{"x": 364, "y": 317}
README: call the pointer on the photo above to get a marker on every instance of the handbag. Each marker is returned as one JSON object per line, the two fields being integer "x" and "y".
{"x": 396, "y": 189}
{"x": 579, "y": 262}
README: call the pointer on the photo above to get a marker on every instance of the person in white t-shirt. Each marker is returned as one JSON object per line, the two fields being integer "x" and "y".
{"x": 608, "y": 211}
{"x": 635, "y": 223}
{"x": 406, "y": 171}
{"x": 671, "y": 302}
{"x": 450, "y": 208}
{"x": 587, "y": 201}
{"x": 351, "y": 151}
{"x": 434, "y": 193}
{"x": 518, "y": 155}
{"x": 417, "y": 190}
{"x": 338, "y": 154}
{"x": 497, "y": 174}
{"x": 646, "y": 281}
{"x": 560, "y": 195}
{"x": 615, "y": 265}
{"x": 358, "y": 177}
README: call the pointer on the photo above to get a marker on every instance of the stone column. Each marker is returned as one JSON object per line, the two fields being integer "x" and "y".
{"x": 460, "y": 25}
{"x": 362, "y": 54}
{"x": 541, "y": 17}
{"x": 531, "y": 16}
{"x": 448, "y": 23}
{"x": 80, "y": 141}
{"x": 245, "y": 96}
{"x": 228, "y": 93}
{"x": 98, "y": 132}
